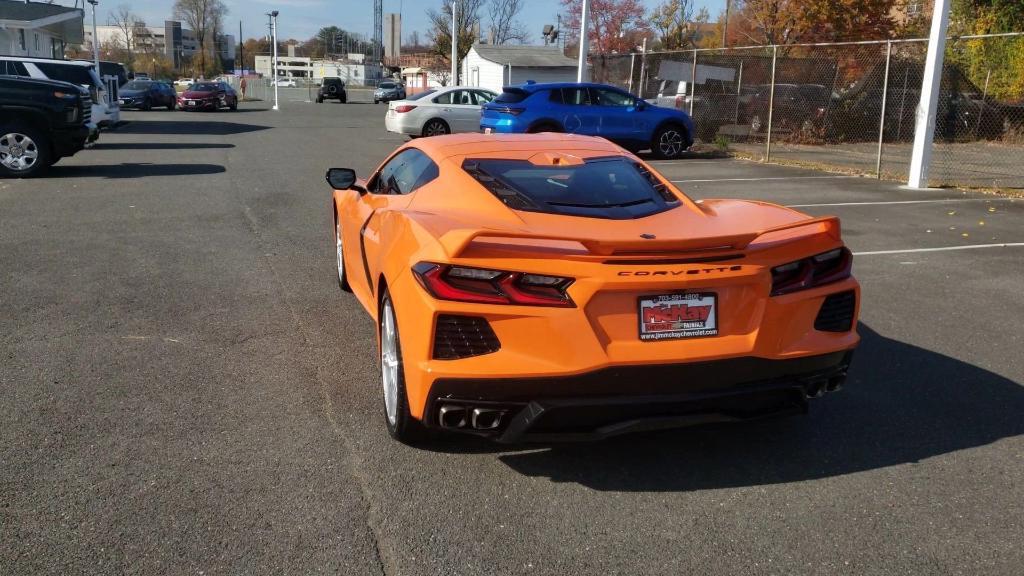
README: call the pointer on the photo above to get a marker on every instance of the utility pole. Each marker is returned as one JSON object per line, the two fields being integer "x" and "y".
{"x": 273, "y": 32}
{"x": 95, "y": 38}
{"x": 725, "y": 27}
{"x": 924, "y": 134}
{"x": 581, "y": 70}
{"x": 455, "y": 46}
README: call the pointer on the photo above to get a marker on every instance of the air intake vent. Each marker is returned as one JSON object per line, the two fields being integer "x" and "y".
{"x": 463, "y": 336}
{"x": 836, "y": 314}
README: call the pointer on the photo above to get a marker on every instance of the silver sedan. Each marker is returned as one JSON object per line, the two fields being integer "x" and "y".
{"x": 438, "y": 111}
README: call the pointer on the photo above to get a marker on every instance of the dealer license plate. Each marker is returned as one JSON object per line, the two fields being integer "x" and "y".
{"x": 191, "y": 102}
{"x": 685, "y": 315}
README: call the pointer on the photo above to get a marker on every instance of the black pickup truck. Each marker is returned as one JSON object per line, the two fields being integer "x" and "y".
{"x": 41, "y": 121}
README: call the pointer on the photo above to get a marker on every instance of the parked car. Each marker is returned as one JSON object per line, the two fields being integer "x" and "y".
{"x": 185, "y": 82}
{"x": 440, "y": 111}
{"x": 284, "y": 82}
{"x": 146, "y": 94}
{"x": 332, "y": 88}
{"x": 593, "y": 110}
{"x": 795, "y": 107}
{"x": 387, "y": 91}
{"x": 141, "y": 76}
{"x": 41, "y": 121}
{"x": 713, "y": 104}
{"x": 569, "y": 291}
{"x": 104, "y": 111}
{"x": 208, "y": 96}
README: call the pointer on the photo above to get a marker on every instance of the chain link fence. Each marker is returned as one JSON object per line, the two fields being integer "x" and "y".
{"x": 850, "y": 105}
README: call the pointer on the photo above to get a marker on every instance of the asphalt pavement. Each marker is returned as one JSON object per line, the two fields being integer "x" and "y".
{"x": 185, "y": 390}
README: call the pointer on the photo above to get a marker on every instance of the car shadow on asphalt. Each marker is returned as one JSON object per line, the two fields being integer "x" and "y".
{"x": 212, "y": 127}
{"x": 902, "y": 404}
{"x": 133, "y": 170}
{"x": 161, "y": 145}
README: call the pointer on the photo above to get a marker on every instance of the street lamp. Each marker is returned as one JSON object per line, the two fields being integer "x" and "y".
{"x": 273, "y": 68}
{"x": 95, "y": 39}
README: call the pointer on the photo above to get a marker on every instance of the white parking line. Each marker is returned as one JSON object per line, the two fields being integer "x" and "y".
{"x": 903, "y": 202}
{"x": 762, "y": 179}
{"x": 942, "y": 249}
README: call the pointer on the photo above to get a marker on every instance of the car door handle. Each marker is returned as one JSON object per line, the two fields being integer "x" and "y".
{"x": 447, "y": 109}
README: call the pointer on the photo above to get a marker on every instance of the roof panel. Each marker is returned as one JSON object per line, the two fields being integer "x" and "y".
{"x": 525, "y": 56}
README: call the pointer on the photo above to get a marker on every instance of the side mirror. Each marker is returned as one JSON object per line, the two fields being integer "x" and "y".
{"x": 641, "y": 105}
{"x": 343, "y": 179}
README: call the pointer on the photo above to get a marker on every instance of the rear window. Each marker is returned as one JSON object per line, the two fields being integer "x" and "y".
{"x": 614, "y": 188}
{"x": 513, "y": 96}
{"x": 387, "y": 85}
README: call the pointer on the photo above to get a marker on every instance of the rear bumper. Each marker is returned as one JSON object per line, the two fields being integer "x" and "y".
{"x": 402, "y": 124}
{"x": 624, "y": 399}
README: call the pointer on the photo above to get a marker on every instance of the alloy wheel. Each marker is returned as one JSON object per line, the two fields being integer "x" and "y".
{"x": 435, "y": 128}
{"x": 18, "y": 152}
{"x": 670, "y": 144}
{"x": 389, "y": 361}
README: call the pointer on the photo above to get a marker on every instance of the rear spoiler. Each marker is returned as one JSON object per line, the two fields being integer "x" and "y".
{"x": 457, "y": 241}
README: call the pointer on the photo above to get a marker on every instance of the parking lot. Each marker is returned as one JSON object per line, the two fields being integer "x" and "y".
{"x": 186, "y": 391}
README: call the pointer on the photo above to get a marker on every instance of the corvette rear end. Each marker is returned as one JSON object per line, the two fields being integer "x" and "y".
{"x": 582, "y": 309}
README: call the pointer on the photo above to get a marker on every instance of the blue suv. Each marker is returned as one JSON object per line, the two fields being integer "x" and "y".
{"x": 591, "y": 109}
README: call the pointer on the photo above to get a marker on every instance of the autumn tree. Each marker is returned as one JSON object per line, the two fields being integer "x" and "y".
{"x": 127, "y": 24}
{"x": 794, "y": 21}
{"x": 612, "y": 26}
{"x": 504, "y": 20}
{"x": 202, "y": 16}
{"x": 467, "y": 26}
{"x": 676, "y": 24}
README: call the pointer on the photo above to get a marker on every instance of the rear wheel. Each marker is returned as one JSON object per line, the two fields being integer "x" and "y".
{"x": 147, "y": 105}
{"x": 669, "y": 142}
{"x": 436, "y": 127}
{"x": 401, "y": 425}
{"x": 24, "y": 151}
{"x": 544, "y": 127}
{"x": 172, "y": 105}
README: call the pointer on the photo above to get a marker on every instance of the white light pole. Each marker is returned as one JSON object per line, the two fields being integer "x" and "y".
{"x": 273, "y": 30}
{"x": 95, "y": 39}
{"x": 924, "y": 133}
{"x": 581, "y": 72}
{"x": 455, "y": 47}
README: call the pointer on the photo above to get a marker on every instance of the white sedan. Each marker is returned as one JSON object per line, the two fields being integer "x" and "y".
{"x": 438, "y": 111}
{"x": 286, "y": 82}
{"x": 184, "y": 81}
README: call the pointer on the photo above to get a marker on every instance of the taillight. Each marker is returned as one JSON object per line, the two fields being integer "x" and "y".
{"x": 483, "y": 286}
{"x": 824, "y": 268}
{"x": 404, "y": 108}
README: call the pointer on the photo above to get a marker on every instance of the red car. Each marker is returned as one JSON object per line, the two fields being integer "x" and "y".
{"x": 208, "y": 96}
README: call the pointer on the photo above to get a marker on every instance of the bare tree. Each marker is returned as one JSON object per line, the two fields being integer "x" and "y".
{"x": 504, "y": 23}
{"x": 467, "y": 27}
{"x": 125, "y": 20}
{"x": 200, "y": 16}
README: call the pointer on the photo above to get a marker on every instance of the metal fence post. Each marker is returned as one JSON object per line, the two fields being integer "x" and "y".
{"x": 632, "y": 64}
{"x": 881, "y": 121}
{"x": 739, "y": 93}
{"x": 771, "y": 107}
{"x": 693, "y": 83}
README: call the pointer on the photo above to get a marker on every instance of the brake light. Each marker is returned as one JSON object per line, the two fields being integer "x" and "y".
{"x": 818, "y": 270}
{"x": 483, "y": 286}
{"x": 404, "y": 108}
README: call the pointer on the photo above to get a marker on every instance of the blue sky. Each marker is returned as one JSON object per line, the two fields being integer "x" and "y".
{"x": 301, "y": 19}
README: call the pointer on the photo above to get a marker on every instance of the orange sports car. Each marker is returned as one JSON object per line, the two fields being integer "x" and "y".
{"x": 556, "y": 287}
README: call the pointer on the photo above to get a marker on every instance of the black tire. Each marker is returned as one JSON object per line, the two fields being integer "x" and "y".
{"x": 172, "y": 105}
{"x": 343, "y": 99}
{"x": 669, "y": 142}
{"x": 436, "y": 127}
{"x": 147, "y": 105}
{"x": 544, "y": 127}
{"x": 319, "y": 99}
{"x": 234, "y": 106}
{"x": 28, "y": 140}
{"x": 405, "y": 428}
{"x": 376, "y": 101}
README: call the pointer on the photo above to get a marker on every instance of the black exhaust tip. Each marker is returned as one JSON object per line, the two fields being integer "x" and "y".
{"x": 451, "y": 416}
{"x": 486, "y": 418}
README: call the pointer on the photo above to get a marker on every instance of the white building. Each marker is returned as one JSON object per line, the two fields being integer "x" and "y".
{"x": 350, "y": 73}
{"x": 37, "y": 29}
{"x": 494, "y": 66}
{"x": 172, "y": 40}
{"x": 287, "y": 66}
